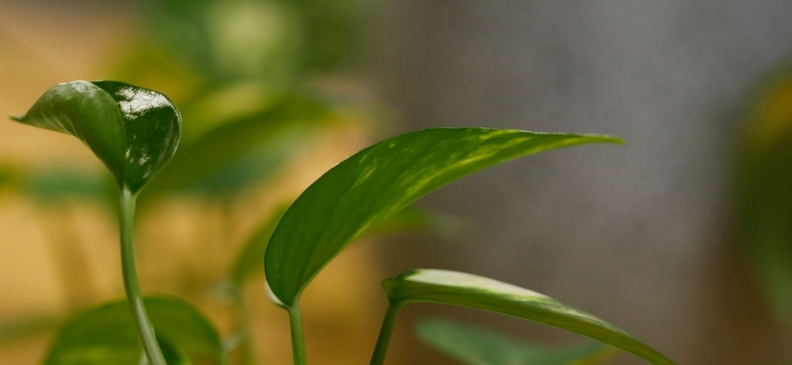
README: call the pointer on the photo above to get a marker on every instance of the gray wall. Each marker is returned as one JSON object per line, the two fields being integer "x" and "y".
{"x": 639, "y": 235}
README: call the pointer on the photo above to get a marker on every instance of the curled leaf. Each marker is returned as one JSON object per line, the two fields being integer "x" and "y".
{"x": 132, "y": 130}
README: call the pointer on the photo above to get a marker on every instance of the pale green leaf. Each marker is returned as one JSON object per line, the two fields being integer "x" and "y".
{"x": 461, "y": 289}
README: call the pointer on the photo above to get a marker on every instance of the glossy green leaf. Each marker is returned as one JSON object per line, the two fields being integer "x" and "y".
{"x": 107, "y": 335}
{"x": 477, "y": 345}
{"x": 379, "y": 181}
{"x": 134, "y": 131}
{"x": 461, "y": 289}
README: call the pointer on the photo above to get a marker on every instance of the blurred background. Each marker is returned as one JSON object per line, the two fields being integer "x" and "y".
{"x": 683, "y": 237}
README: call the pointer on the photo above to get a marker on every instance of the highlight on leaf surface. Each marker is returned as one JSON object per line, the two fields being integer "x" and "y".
{"x": 379, "y": 181}
{"x": 467, "y": 290}
{"x": 132, "y": 130}
{"x": 477, "y": 345}
{"x": 107, "y": 335}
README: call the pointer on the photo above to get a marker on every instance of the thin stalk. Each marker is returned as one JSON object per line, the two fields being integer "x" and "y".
{"x": 298, "y": 340}
{"x": 386, "y": 332}
{"x": 131, "y": 285}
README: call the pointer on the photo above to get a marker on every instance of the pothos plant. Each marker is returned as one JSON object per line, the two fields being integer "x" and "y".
{"x": 135, "y": 131}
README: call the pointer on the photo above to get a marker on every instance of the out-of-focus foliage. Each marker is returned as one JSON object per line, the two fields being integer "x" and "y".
{"x": 765, "y": 191}
{"x": 477, "y": 345}
{"x": 107, "y": 335}
{"x": 466, "y": 290}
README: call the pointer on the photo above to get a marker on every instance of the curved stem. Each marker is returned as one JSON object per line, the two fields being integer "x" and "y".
{"x": 298, "y": 340}
{"x": 386, "y": 332}
{"x": 145, "y": 330}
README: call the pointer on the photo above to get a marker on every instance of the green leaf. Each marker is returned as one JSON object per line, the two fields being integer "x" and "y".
{"x": 107, "y": 334}
{"x": 764, "y": 192}
{"x": 134, "y": 131}
{"x": 461, "y": 289}
{"x": 172, "y": 354}
{"x": 476, "y": 345}
{"x": 7, "y": 177}
{"x": 378, "y": 182}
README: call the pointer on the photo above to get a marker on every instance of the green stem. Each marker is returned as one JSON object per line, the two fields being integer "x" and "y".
{"x": 131, "y": 285}
{"x": 386, "y": 332}
{"x": 298, "y": 340}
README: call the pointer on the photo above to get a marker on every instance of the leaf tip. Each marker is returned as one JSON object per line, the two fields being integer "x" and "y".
{"x": 16, "y": 118}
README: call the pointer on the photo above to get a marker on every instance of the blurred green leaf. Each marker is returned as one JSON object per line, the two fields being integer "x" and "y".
{"x": 8, "y": 177}
{"x": 107, "y": 334}
{"x": 252, "y": 254}
{"x": 764, "y": 187}
{"x": 418, "y": 220}
{"x": 476, "y": 345}
{"x": 235, "y": 154}
{"x": 172, "y": 354}
{"x": 59, "y": 183}
{"x": 226, "y": 104}
{"x": 461, "y": 289}
{"x": 233, "y": 40}
{"x": 134, "y": 131}
{"x": 335, "y": 31}
{"x": 379, "y": 181}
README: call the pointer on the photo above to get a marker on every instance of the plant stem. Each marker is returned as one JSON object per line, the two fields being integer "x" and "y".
{"x": 145, "y": 330}
{"x": 386, "y": 332}
{"x": 298, "y": 340}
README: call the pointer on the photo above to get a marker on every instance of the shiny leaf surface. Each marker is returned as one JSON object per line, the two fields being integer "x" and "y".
{"x": 134, "y": 131}
{"x": 379, "y": 181}
{"x": 476, "y": 345}
{"x": 461, "y": 289}
{"x": 107, "y": 334}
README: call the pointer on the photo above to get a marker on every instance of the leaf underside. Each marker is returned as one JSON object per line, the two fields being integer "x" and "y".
{"x": 461, "y": 289}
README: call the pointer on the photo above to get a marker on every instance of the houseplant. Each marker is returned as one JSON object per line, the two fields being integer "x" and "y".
{"x": 135, "y": 131}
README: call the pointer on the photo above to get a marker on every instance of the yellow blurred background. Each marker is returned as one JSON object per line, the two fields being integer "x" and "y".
{"x": 59, "y": 257}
